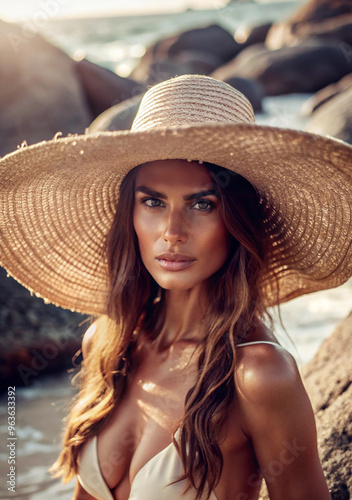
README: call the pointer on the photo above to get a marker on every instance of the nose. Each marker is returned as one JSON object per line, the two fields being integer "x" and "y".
{"x": 174, "y": 227}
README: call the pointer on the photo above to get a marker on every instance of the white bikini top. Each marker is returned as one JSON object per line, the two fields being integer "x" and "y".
{"x": 152, "y": 481}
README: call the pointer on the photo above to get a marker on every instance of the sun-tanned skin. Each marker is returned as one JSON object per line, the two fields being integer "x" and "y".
{"x": 270, "y": 424}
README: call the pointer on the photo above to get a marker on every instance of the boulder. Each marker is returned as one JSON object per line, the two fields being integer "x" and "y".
{"x": 334, "y": 118}
{"x": 119, "y": 117}
{"x": 318, "y": 10}
{"x": 307, "y": 67}
{"x": 323, "y": 96}
{"x": 212, "y": 45}
{"x": 249, "y": 35}
{"x": 307, "y": 17}
{"x": 35, "y": 338}
{"x": 328, "y": 380}
{"x": 201, "y": 62}
{"x": 337, "y": 28}
{"x": 104, "y": 88}
{"x": 39, "y": 92}
{"x": 252, "y": 89}
{"x": 212, "y": 39}
{"x": 156, "y": 52}
{"x": 185, "y": 63}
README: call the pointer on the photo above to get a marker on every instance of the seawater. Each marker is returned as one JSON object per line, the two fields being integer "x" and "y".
{"x": 117, "y": 43}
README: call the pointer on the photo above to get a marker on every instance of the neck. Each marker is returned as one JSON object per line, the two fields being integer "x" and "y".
{"x": 184, "y": 312}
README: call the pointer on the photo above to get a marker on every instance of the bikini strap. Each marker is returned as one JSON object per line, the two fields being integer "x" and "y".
{"x": 259, "y": 342}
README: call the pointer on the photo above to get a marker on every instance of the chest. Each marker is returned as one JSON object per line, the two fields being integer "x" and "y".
{"x": 143, "y": 423}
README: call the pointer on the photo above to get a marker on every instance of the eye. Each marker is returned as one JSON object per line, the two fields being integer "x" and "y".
{"x": 204, "y": 205}
{"x": 151, "y": 202}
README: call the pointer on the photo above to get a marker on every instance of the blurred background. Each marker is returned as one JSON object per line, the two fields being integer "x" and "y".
{"x": 82, "y": 66}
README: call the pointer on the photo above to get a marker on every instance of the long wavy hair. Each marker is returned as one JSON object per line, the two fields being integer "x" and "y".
{"x": 235, "y": 304}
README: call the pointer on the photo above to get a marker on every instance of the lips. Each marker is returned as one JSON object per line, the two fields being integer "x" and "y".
{"x": 175, "y": 257}
{"x": 174, "y": 261}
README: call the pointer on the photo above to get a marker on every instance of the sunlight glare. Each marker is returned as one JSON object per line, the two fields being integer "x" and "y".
{"x": 29, "y": 10}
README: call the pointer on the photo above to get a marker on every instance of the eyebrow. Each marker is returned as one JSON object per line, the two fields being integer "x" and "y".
{"x": 187, "y": 197}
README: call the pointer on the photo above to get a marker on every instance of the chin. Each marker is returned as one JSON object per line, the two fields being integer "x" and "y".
{"x": 175, "y": 283}
{"x": 168, "y": 285}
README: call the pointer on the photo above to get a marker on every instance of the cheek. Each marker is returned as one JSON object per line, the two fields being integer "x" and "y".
{"x": 144, "y": 230}
{"x": 216, "y": 242}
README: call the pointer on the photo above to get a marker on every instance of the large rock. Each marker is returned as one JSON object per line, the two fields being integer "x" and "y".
{"x": 308, "y": 17}
{"x": 200, "y": 61}
{"x": 339, "y": 29}
{"x": 328, "y": 380}
{"x": 199, "y": 50}
{"x": 325, "y": 94}
{"x": 334, "y": 118}
{"x": 184, "y": 63}
{"x": 252, "y": 89}
{"x": 307, "y": 67}
{"x": 35, "y": 338}
{"x": 250, "y": 35}
{"x": 39, "y": 91}
{"x": 119, "y": 117}
{"x": 318, "y": 10}
{"x": 103, "y": 88}
{"x": 212, "y": 39}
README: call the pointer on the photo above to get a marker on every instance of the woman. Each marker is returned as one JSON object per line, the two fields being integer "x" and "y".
{"x": 184, "y": 389}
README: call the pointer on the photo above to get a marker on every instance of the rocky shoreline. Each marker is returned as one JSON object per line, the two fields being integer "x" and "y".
{"x": 307, "y": 52}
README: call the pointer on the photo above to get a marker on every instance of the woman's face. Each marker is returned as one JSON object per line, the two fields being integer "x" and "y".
{"x": 181, "y": 234}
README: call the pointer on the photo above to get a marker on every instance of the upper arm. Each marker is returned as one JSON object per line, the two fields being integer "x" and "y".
{"x": 87, "y": 340}
{"x": 278, "y": 418}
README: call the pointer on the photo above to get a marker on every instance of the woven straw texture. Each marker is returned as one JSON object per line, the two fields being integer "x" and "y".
{"x": 58, "y": 198}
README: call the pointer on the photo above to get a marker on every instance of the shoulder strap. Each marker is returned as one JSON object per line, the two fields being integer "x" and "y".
{"x": 259, "y": 342}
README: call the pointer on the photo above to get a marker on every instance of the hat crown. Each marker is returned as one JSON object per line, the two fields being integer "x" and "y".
{"x": 189, "y": 100}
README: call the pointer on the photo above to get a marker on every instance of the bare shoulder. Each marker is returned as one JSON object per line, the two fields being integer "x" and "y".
{"x": 88, "y": 339}
{"x": 276, "y": 415}
{"x": 266, "y": 372}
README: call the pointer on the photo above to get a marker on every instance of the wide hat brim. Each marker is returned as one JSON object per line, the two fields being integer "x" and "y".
{"x": 58, "y": 201}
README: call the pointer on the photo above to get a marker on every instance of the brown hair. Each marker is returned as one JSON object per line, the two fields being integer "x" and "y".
{"x": 235, "y": 304}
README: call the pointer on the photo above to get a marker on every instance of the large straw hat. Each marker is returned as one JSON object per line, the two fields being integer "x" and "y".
{"x": 58, "y": 197}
